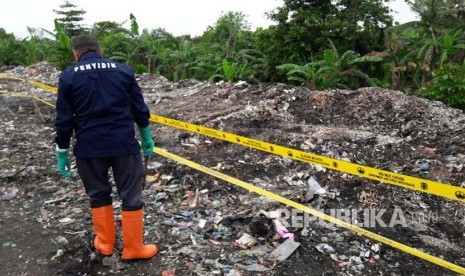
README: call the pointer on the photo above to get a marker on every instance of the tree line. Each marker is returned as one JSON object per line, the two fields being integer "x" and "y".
{"x": 319, "y": 44}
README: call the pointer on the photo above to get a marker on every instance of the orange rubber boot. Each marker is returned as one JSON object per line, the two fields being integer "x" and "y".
{"x": 134, "y": 247}
{"x": 104, "y": 227}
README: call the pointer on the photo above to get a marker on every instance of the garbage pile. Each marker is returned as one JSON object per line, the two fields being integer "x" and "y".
{"x": 206, "y": 226}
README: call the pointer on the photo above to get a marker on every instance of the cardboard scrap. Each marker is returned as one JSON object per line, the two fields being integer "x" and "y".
{"x": 284, "y": 250}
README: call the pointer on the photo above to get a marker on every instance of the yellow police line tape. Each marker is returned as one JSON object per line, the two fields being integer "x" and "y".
{"x": 23, "y": 95}
{"x": 414, "y": 183}
{"x": 288, "y": 202}
{"x": 330, "y": 219}
{"x": 50, "y": 88}
{"x": 405, "y": 181}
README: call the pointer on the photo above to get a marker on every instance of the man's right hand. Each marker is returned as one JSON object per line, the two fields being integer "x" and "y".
{"x": 63, "y": 163}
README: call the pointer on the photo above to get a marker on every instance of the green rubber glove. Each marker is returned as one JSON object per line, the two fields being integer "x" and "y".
{"x": 63, "y": 163}
{"x": 147, "y": 144}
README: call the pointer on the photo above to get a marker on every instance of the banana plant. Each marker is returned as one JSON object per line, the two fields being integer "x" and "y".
{"x": 179, "y": 61}
{"x": 152, "y": 46}
{"x": 234, "y": 71}
{"x": 255, "y": 59}
{"x": 127, "y": 53}
{"x": 453, "y": 48}
{"x": 209, "y": 59}
{"x": 421, "y": 47}
{"x": 332, "y": 71}
{"x": 305, "y": 75}
{"x": 63, "y": 56}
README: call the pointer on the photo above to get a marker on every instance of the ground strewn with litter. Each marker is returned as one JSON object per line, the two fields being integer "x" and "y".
{"x": 206, "y": 226}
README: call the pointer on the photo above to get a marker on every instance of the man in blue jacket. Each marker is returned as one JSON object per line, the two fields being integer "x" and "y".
{"x": 101, "y": 101}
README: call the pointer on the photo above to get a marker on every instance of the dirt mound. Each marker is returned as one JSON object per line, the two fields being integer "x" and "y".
{"x": 197, "y": 220}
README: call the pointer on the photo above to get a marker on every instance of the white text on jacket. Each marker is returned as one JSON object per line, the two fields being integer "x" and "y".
{"x": 94, "y": 66}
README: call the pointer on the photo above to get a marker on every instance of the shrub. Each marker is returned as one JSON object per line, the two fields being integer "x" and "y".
{"x": 140, "y": 68}
{"x": 448, "y": 86}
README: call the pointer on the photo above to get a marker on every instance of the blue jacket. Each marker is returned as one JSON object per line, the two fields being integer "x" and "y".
{"x": 100, "y": 100}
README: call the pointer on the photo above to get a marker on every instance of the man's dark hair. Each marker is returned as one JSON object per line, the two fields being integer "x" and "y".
{"x": 85, "y": 43}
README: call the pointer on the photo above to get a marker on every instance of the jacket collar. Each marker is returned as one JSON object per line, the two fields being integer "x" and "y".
{"x": 88, "y": 55}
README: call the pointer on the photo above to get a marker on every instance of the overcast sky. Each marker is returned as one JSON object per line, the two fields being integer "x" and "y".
{"x": 178, "y": 17}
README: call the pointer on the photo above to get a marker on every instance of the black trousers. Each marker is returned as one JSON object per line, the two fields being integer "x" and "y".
{"x": 128, "y": 175}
